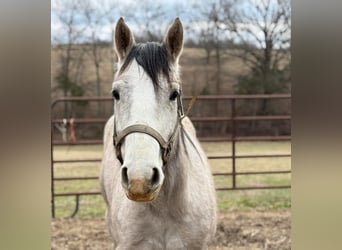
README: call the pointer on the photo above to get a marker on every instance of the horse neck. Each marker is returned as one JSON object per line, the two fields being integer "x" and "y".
{"x": 176, "y": 174}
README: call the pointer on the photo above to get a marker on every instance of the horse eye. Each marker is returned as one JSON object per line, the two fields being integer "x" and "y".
{"x": 174, "y": 95}
{"x": 115, "y": 94}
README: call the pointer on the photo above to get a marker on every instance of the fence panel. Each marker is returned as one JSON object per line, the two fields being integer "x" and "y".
{"x": 234, "y": 119}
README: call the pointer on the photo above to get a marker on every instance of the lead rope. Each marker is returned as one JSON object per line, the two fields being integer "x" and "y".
{"x": 190, "y": 105}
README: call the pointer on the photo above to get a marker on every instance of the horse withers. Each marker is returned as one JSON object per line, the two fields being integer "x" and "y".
{"x": 155, "y": 177}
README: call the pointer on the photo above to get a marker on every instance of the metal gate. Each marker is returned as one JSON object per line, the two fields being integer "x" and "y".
{"x": 233, "y": 138}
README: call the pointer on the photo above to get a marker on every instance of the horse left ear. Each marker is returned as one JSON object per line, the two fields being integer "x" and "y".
{"x": 174, "y": 40}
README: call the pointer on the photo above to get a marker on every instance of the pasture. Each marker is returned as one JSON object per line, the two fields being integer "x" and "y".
{"x": 246, "y": 200}
{"x": 253, "y": 219}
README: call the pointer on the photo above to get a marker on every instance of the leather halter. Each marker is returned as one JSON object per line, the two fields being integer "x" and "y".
{"x": 166, "y": 146}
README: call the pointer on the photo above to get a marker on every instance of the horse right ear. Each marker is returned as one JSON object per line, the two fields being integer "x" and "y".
{"x": 174, "y": 40}
{"x": 123, "y": 39}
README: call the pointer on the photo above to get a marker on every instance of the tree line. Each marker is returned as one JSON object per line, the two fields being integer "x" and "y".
{"x": 255, "y": 31}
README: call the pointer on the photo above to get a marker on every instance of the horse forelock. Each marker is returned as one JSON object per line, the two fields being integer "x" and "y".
{"x": 154, "y": 59}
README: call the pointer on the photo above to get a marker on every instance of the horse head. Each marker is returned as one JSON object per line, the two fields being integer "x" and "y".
{"x": 147, "y": 107}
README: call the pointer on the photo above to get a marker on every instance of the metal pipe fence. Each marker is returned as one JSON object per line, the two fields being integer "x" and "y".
{"x": 233, "y": 138}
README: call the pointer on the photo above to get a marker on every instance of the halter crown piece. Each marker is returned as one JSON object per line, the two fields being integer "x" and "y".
{"x": 166, "y": 146}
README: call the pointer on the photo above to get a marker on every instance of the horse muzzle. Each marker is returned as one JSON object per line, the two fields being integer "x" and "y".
{"x": 141, "y": 186}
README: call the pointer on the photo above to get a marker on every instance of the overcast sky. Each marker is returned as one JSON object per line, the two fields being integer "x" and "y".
{"x": 142, "y": 11}
{"x": 173, "y": 8}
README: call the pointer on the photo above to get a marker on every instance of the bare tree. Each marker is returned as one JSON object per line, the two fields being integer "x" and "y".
{"x": 261, "y": 30}
{"x": 150, "y": 18}
{"x": 206, "y": 26}
{"x": 97, "y": 15}
{"x": 70, "y": 33}
{"x": 214, "y": 17}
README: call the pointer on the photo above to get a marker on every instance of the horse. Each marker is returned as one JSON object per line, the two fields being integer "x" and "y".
{"x": 155, "y": 177}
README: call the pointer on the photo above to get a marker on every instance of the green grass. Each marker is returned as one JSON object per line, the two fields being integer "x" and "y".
{"x": 91, "y": 206}
{"x": 253, "y": 199}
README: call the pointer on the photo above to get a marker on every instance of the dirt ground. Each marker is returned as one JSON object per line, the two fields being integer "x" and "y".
{"x": 235, "y": 231}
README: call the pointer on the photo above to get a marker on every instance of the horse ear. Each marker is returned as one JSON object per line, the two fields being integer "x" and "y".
{"x": 123, "y": 39}
{"x": 174, "y": 40}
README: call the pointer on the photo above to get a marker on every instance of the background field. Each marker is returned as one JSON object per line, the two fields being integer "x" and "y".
{"x": 277, "y": 199}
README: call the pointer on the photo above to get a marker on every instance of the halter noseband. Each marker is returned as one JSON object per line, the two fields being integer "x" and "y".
{"x": 166, "y": 146}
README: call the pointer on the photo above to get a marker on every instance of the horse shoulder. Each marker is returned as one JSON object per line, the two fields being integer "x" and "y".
{"x": 106, "y": 159}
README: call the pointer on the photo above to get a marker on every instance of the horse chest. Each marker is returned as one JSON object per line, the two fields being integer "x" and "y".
{"x": 150, "y": 231}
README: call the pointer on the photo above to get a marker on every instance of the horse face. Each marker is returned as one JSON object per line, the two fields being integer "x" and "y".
{"x": 142, "y": 98}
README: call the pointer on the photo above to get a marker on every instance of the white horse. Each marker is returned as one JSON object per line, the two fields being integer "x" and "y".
{"x": 155, "y": 177}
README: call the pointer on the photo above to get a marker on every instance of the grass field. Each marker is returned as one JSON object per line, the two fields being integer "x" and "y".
{"x": 91, "y": 206}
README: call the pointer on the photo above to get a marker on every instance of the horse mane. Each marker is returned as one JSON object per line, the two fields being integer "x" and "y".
{"x": 154, "y": 59}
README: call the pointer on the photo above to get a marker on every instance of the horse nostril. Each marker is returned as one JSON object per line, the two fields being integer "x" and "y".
{"x": 155, "y": 177}
{"x": 124, "y": 176}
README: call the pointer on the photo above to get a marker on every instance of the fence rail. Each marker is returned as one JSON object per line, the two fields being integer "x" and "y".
{"x": 233, "y": 139}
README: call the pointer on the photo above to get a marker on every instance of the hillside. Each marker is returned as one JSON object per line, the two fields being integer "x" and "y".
{"x": 198, "y": 76}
